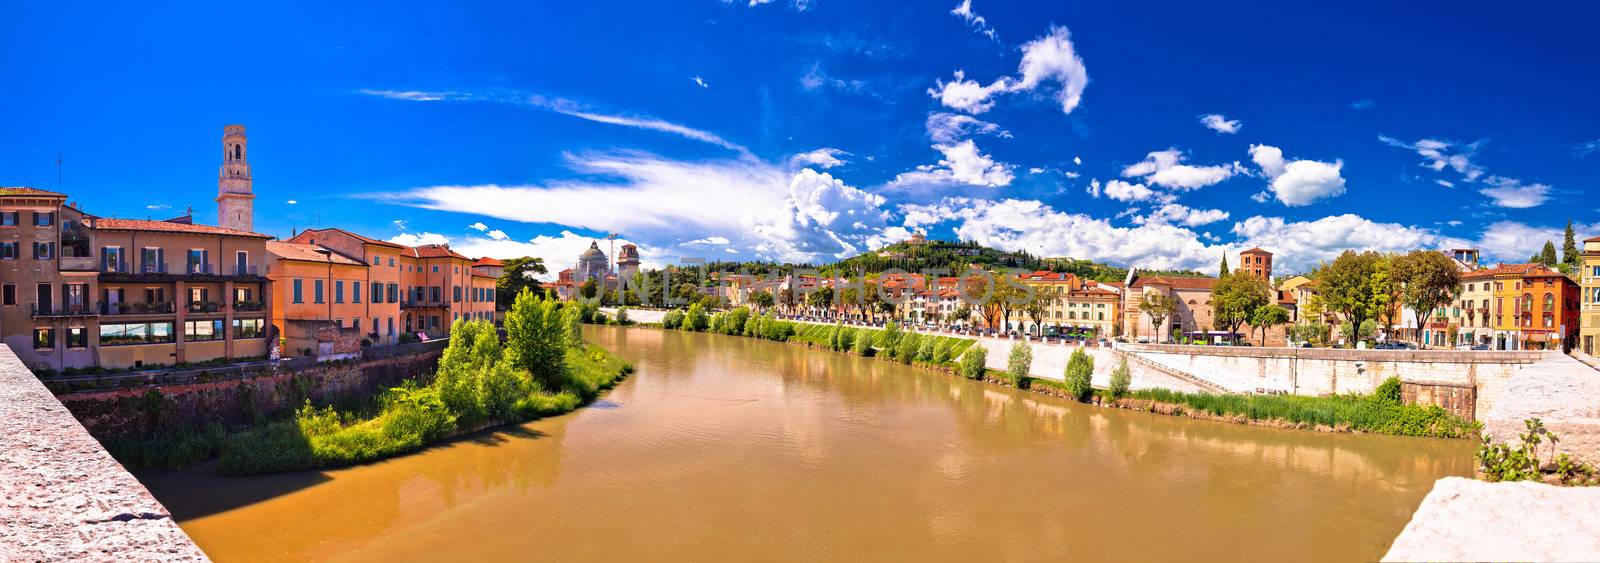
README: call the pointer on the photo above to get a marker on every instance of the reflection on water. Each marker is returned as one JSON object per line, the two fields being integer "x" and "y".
{"x": 724, "y": 448}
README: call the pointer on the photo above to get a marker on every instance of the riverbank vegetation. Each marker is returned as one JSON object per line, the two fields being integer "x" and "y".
{"x": 1504, "y": 462}
{"x": 544, "y": 368}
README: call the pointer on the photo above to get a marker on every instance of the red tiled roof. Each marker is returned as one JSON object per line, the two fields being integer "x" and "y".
{"x": 169, "y": 227}
{"x": 308, "y": 253}
{"x": 1256, "y": 250}
{"x": 1502, "y": 270}
{"x": 1177, "y": 282}
{"x": 368, "y": 240}
{"x": 432, "y": 251}
{"x": 487, "y": 261}
{"x": 26, "y": 191}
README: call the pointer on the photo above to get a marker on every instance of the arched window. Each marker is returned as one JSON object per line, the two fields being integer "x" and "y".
{"x": 1527, "y": 303}
{"x": 238, "y": 153}
{"x": 1549, "y": 302}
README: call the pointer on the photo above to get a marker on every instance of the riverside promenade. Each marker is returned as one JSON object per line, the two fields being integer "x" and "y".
{"x": 62, "y": 497}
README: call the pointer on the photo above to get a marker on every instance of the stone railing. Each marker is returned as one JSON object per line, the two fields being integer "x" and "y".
{"x": 62, "y": 497}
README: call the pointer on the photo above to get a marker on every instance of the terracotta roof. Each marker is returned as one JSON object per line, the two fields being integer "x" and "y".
{"x": 26, "y": 191}
{"x": 1592, "y": 239}
{"x": 432, "y": 251}
{"x": 368, "y": 240}
{"x": 308, "y": 253}
{"x": 1502, "y": 270}
{"x": 1256, "y": 250}
{"x": 1177, "y": 282}
{"x": 169, "y": 227}
{"x": 487, "y": 261}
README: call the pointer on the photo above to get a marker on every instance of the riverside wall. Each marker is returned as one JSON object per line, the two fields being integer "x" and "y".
{"x": 62, "y": 497}
{"x": 139, "y": 411}
{"x": 1431, "y": 375}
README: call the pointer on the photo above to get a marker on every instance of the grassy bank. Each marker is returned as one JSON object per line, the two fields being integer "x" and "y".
{"x": 544, "y": 369}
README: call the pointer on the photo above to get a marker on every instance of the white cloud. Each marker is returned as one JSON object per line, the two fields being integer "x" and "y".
{"x": 399, "y": 224}
{"x": 1298, "y": 182}
{"x": 1216, "y": 122}
{"x": 1586, "y": 148}
{"x": 1077, "y": 160}
{"x": 1438, "y": 155}
{"x": 946, "y": 127}
{"x": 558, "y": 251}
{"x": 1512, "y": 193}
{"x": 292, "y": 202}
{"x": 962, "y": 164}
{"x": 497, "y": 234}
{"x": 1445, "y": 183}
{"x": 708, "y": 241}
{"x": 157, "y": 206}
{"x": 817, "y": 78}
{"x": 1047, "y": 59}
{"x": 418, "y": 239}
{"x": 821, "y": 158}
{"x": 479, "y": 226}
{"x": 1182, "y": 215}
{"x": 763, "y": 207}
{"x": 1165, "y": 169}
{"x": 414, "y": 95}
{"x": 1299, "y": 246}
{"x": 1511, "y": 241}
{"x": 975, "y": 21}
{"x": 701, "y": 82}
{"x": 1124, "y": 191}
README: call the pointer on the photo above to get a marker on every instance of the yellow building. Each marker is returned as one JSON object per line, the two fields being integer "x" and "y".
{"x": 1589, "y": 301}
{"x": 1506, "y": 306}
{"x": 319, "y": 290}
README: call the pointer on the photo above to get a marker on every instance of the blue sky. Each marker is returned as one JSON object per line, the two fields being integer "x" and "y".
{"x": 1161, "y": 134}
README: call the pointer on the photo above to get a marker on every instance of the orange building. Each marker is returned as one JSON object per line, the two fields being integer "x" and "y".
{"x": 1257, "y": 262}
{"x": 318, "y": 288}
{"x": 1548, "y": 312}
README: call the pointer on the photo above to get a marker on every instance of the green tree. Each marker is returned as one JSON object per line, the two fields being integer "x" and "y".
{"x": 863, "y": 345}
{"x": 536, "y": 339}
{"x": 1569, "y": 248}
{"x": 1036, "y": 309}
{"x": 761, "y": 299}
{"x": 1235, "y": 298}
{"x": 1157, "y": 306}
{"x": 906, "y": 349}
{"x": 1121, "y": 379}
{"x": 1547, "y": 256}
{"x": 1079, "y": 375}
{"x": 589, "y": 288}
{"x": 972, "y": 362}
{"x": 518, "y": 274}
{"x": 695, "y": 319}
{"x": 1355, "y": 285}
{"x": 1265, "y": 318}
{"x": 1222, "y": 272}
{"x": 1019, "y": 363}
{"x": 1429, "y": 280}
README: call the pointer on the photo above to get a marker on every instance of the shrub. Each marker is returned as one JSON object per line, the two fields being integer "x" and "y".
{"x": 941, "y": 352}
{"x": 889, "y": 336}
{"x": 695, "y": 319}
{"x": 774, "y": 329}
{"x": 1079, "y": 375}
{"x": 972, "y": 362}
{"x": 864, "y": 343}
{"x": 734, "y": 321}
{"x": 906, "y": 349}
{"x": 752, "y": 327}
{"x": 1388, "y": 392}
{"x": 1121, "y": 378}
{"x": 1018, "y": 364}
{"x": 622, "y": 316}
{"x": 673, "y": 319}
{"x": 847, "y": 338}
{"x": 834, "y": 335}
{"x": 925, "y": 351}
{"x": 536, "y": 338}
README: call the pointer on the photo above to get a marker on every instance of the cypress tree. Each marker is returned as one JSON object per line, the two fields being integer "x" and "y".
{"x": 1548, "y": 256}
{"x": 1223, "y": 272}
{"x": 1569, "y": 246}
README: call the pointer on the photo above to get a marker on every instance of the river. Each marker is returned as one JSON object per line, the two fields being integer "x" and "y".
{"x": 727, "y": 448}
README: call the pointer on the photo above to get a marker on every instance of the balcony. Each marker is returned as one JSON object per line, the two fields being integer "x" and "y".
{"x": 162, "y": 271}
{"x": 125, "y": 308}
{"x": 44, "y": 310}
{"x": 206, "y": 307}
{"x": 248, "y": 306}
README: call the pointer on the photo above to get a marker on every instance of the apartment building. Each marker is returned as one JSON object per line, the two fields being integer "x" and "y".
{"x": 1548, "y": 315}
{"x": 1589, "y": 301}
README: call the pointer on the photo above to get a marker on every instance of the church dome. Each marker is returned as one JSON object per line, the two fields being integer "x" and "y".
{"x": 593, "y": 253}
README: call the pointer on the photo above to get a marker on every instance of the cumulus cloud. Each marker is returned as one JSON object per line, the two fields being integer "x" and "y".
{"x": 497, "y": 234}
{"x": 479, "y": 226}
{"x": 1299, "y": 246}
{"x": 1182, "y": 215}
{"x": 821, "y": 158}
{"x": 946, "y": 127}
{"x": 1216, "y": 122}
{"x": 1165, "y": 169}
{"x": 559, "y": 251}
{"x": 1124, "y": 191}
{"x": 418, "y": 239}
{"x": 962, "y": 164}
{"x": 708, "y": 241}
{"x": 1298, "y": 182}
{"x": 975, "y": 21}
{"x": 1050, "y": 59}
{"x": 1513, "y": 193}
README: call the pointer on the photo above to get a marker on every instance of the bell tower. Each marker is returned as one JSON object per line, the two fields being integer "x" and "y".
{"x": 235, "y": 207}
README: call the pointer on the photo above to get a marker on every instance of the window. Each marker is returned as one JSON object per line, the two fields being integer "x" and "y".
{"x": 377, "y": 292}
{"x": 44, "y": 218}
{"x": 199, "y": 296}
{"x": 457, "y": 293}
{"x": 355, "y": 323}
{"x": 241, "y": 295}
{"x": 44, "y": 338}
{"x": 1549, "y": 303}
{"x": 355, "y": 292}
{"x": 316, "y": 292}
{"x": 391, "y": 262}
{"x": 111, "y": 258}
{"x": 152, "y": 260}
{"x": 42, "y": 299}
{"x": 8, "y": 218}
{"x": 436, "y": 292}
{"x": 197, "y": 263}
{"x": 241, "y": 263}
{"x": 77, "y": 337}
{"x": 338, "y": 291}
{"x": 8, "y": 250}
{"x": 393, "y": 292}
{"x": 299, "y": 291}
{"x": 8, "y": 294}
{"x": 196, "y": 331}
{"x": 43, "y": 250}
{"x": 376, "y": 260}
{"x": 247, "y": 328}
{"x": 391, "y": 325}
{"x": 116, "y": 334}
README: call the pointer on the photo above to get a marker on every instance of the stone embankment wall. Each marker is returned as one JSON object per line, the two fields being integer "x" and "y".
{"x": 1314, "y": 371}
{"x": 1050, "y": 362}
{"x": 141, "y": 410}
{"x": 62, "y": 497}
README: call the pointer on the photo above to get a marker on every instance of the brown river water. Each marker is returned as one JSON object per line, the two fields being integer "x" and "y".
{"x": 732, "y": 449}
